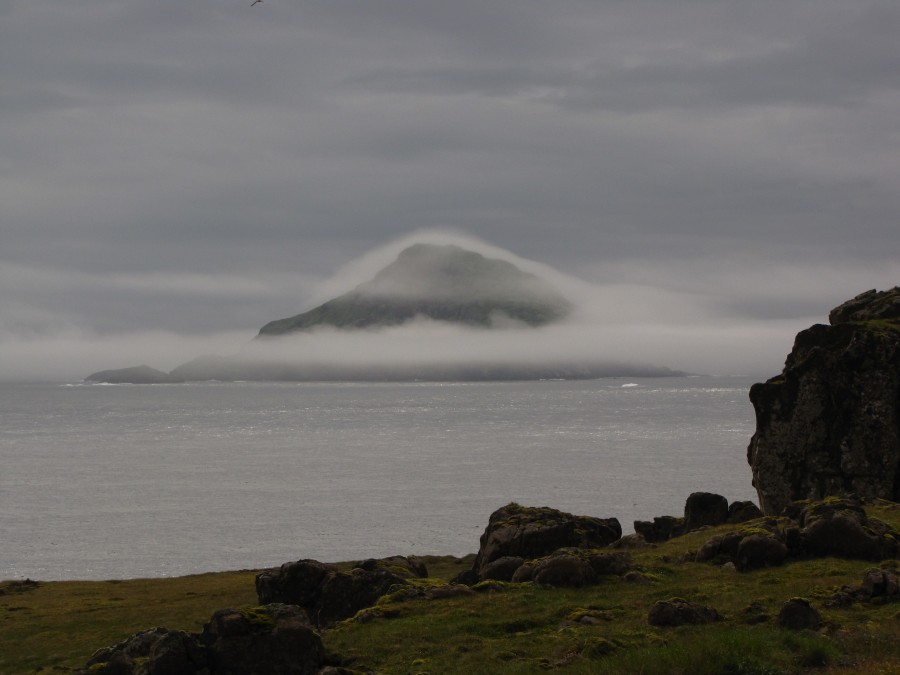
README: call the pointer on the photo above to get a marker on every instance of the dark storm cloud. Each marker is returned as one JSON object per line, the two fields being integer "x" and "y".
{"x": 153, "y": 152}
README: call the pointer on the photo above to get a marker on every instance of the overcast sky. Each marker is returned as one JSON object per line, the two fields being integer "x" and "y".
{"x": 180, "y": 173}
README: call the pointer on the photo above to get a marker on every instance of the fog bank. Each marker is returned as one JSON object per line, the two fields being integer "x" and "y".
{"x": 658, "y": 323}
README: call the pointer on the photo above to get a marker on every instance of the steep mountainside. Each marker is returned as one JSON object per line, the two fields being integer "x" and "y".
{"x": 441, "y": 282}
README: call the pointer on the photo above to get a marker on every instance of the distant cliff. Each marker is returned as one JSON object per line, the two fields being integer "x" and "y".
{"x": 830, "y": 423}
{"x": 440, "y": 282}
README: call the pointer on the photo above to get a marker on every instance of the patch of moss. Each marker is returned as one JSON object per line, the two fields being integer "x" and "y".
{"x": 883, "y": 327}
{"x": 258, "y": 617}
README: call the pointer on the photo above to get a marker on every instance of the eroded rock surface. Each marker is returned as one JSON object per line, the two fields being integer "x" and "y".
{"x": 830, "y": 423}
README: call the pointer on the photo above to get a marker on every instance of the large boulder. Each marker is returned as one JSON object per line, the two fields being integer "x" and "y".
{"x": 841, "y": 527}
{"x": 269, "y": 640}
{"x": 830, "y": 423}
{"x": 156, "y": 651}
{"x": 330, "y": 595}
{"x": 534, "y": 532}
{"x": 702, "y": 509}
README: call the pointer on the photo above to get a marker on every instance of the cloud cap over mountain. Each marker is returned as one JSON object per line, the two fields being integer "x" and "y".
{"x": 443, "y": 282}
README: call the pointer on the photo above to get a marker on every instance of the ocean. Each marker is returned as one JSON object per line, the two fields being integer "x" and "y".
{"x": 126, "y": 481}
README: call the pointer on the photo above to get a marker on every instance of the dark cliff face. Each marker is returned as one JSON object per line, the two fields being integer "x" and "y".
{"x": 830, "y": 423}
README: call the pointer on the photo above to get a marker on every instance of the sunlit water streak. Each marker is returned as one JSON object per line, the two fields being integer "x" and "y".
{"x": 126, "y": 481}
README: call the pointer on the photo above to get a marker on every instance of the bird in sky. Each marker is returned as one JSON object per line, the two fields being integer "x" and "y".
{"x": 254, "y": 2}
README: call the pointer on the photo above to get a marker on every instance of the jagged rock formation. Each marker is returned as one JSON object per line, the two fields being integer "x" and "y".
{"x": 441, "y": 282}
{"x": 830, "y": 423}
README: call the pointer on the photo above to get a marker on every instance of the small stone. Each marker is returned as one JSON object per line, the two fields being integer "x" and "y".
{"x": 677, "y": 612}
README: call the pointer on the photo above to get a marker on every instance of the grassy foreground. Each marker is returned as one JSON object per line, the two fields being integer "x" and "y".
{"x": 520, "y": 628}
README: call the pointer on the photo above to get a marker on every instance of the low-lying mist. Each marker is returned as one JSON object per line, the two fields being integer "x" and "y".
{"x": 614, "y": 323}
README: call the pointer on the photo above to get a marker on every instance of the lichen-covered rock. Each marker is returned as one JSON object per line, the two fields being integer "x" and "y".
{"x": 678, "y": 612}
{"x": 269, "y": 640}
{"x": 502, "y": 569}
{"x": 798, "y": 614}
{"x": 759, "y": 550}
{"x": 330, "y": 595}
{"x": 721, "y": 548}
{"x": 296, "y": 583}
{"x": 408, "y": 566}
{"x": 832, "y": 527}
{"x": 840, "y": 527}
{"x": 631, "y": 541}
{"x": 275, "y": 639}
{"x": 534, "y": 532}
{"x": 830, "y": 423}
{"x": 573, "y": 567}
{"x": 157, "y": 651}
{"x": 567, "y": 570}
{"x": 878, "y": 586}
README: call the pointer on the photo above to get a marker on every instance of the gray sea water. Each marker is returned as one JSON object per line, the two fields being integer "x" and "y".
{"x": 105, "y": 482}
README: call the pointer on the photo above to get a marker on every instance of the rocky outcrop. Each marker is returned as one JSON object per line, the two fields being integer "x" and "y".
{"x": 272, "y": 640}
{"x": 830, "y": 423}
{"x": 841, "y": 528}
{"x": 573, "y": 567}
{"x": 519, "y": 533}
{"x": 834, "y": 527}
{"x": 704, "y": 509}
{"x": 330, "y": 595}
{"x": 701, "y": 509}
{"x": 878, "y": 586}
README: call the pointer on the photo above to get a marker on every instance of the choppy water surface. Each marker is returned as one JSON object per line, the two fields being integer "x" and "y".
{"x": 102, "y": 482}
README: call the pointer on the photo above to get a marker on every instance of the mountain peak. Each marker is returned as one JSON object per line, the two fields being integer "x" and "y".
{"x": 443, "y": 282}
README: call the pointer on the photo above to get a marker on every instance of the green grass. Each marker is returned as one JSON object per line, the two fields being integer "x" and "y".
{"x": 63, "y": 623}
{"x": 522, "y": 629}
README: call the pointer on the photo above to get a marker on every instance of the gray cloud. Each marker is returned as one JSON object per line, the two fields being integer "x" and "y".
{"x": 151, "y": 151}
